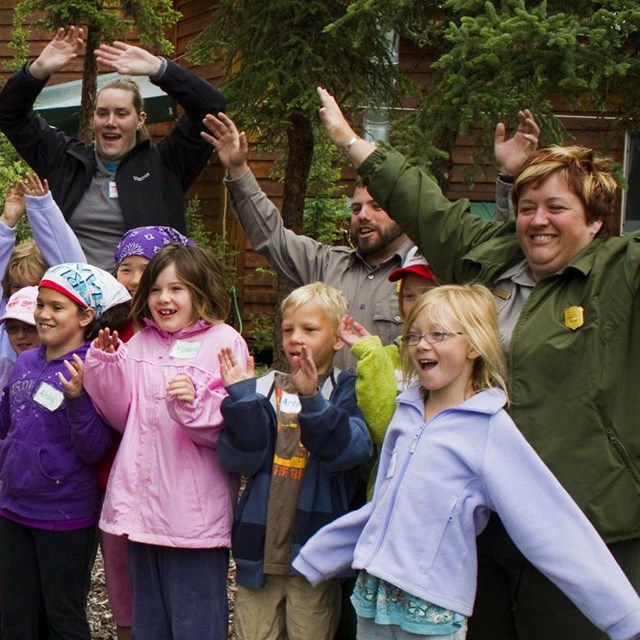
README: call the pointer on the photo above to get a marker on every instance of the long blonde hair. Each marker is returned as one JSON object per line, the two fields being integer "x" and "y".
{"x": 472, "y": 308}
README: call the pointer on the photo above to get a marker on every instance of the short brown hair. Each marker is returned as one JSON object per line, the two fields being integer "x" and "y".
{"x": 589, "y": 177}
{"x": 26, "y": 265}
{"x": 198, "y": 269}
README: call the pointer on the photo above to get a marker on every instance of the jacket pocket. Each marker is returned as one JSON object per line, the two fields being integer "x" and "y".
{"x": 624, "y": 456}
{"x": 29, "y": 468}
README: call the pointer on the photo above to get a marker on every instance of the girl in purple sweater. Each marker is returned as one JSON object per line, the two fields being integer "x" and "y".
{"x": 52, "y": 440}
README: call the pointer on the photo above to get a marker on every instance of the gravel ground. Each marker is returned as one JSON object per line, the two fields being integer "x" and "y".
{"x": 99, "y": 613}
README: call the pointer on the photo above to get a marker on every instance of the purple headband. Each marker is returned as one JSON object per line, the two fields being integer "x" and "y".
{"x": 147, "y": 241}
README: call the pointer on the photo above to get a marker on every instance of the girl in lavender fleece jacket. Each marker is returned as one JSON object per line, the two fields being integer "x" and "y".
{"x": 451, "y": 455}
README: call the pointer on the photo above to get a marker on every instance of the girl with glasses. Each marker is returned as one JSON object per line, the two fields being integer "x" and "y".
{"x": 450, "y": 457}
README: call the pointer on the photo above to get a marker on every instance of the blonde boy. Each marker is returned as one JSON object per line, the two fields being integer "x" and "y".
{"x": 300, "y": 437}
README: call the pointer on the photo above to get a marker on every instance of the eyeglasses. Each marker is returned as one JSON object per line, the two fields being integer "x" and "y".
{"x": 13, "y": 329}
{"x": 413, "y": 339}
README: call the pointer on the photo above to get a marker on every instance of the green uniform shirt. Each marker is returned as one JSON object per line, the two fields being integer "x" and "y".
{"x": 574, "y": 361}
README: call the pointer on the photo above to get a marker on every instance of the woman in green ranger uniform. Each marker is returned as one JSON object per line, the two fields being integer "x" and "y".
{"x": 567, "y": 293}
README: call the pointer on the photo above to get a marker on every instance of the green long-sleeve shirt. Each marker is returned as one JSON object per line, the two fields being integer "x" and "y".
{"x": 575, "y": 390}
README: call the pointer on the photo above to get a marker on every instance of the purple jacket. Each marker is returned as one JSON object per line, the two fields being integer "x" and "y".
{"x": 48, "y": 456}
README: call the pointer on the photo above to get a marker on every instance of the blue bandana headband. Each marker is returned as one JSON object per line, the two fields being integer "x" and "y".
{"x": 88, "y": 286}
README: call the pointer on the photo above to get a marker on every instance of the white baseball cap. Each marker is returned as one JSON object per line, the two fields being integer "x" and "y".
{"x": 21, "y": 306}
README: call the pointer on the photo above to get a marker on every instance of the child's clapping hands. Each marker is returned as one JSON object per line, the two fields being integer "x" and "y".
{"x": 230, "y": 371}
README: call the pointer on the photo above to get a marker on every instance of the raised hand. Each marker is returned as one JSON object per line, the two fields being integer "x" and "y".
{"x": 128, "y": 59}
{"x": 106, "y": 341}
{"x": 66, "y": 45}
{"x": 512, "y": 153}
{"x": 181, "y": 388}
{"x": 32, "y": 185}
{"x": 304, "y": 374}
{"x": 14, "y": 205}
{"x": 231, "y": 145}
{"x": 338, "y": 128}
{"x": 73, "y": 388}
{"x": 230, "y": 371}
{"x": 351, "y": 332}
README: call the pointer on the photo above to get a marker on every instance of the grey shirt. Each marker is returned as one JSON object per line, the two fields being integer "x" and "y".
{"x": 510, "y": 291}
{"x": 372, "y": 300}
{"x": 97, "y": 221}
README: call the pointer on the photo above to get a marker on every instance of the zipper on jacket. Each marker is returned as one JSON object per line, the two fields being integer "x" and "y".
{"x": 416, "y": 437}
{"x": 401, "y": 472}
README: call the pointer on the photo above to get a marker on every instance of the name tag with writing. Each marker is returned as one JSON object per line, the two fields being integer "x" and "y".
{"x": 113, "y": 189}
{"x": 48, "y": 396}
{"x": 185, "y": 350}
{"x": 290, "y": 403}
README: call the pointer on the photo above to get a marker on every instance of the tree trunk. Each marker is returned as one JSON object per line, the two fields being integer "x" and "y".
{"x": 296, "y": 174}
{"x": 89, "y": 84}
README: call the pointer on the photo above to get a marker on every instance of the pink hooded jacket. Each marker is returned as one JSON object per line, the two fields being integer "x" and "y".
{"x": 167, "y": 486}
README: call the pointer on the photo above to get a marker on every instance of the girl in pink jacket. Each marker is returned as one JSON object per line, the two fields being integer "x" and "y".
{"x": 167, "y": 491}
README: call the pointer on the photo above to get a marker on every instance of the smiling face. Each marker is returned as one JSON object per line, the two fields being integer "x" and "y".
{"x": 372, "y": 231}
{"x": 170, "y": 301}
{"x": 311, "y": 325}
{"x": 115, "y": 123}
{"x": 130, "y": 271}
{"x": 60, "y": 322}
{"x": 22, "y": 335}
{"x": 444, "y": 368}
{"x": 551, "y": 226}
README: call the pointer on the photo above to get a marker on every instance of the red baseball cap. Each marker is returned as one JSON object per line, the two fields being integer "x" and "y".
{"x": 413, "y": 263}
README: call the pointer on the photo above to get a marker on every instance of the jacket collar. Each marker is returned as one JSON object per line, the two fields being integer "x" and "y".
{"x": 489, "y": 401}
{"x": 81, "y": 351}
{"x": 397, "y": 258}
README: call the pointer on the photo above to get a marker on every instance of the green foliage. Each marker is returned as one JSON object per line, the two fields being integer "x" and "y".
{"x": 326, "y": 219}
{"x": 195, "y": 224}
{"x": 12, "y": 169}
{"x": 265, "y": 271}
{"x": 276, "y": 53}
{"x": 493, "y": 58}
{"x": 111, "y": 18}
{"x": 325, "y": 216}
{"x": 217, "y": 244}
{"x": 262, "y": 333}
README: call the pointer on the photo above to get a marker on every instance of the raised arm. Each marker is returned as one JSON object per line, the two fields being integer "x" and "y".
{"x": 298, "y": 258}
{"x": 54, "y": 237}
{"x": 12, "y": 212}
{"x": 66, "y": 45}
{"x": 230, "y": 143}
{"x": 128, "y": 59}
{"x": 511, "y": 155}
{"x": 334, "y": 431}
{"x": 340, "y": 132}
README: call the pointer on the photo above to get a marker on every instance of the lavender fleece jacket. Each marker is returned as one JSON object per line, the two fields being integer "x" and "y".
{"x": 436, "y": 486}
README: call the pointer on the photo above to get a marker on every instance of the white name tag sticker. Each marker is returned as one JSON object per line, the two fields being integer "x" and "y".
{"x": 48, "y": 396}
{"x": 391, "y": 470}
{"x": 185, "y": 350}
{"x": 113, "y": 189}
{"x": 290, "y": 403}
